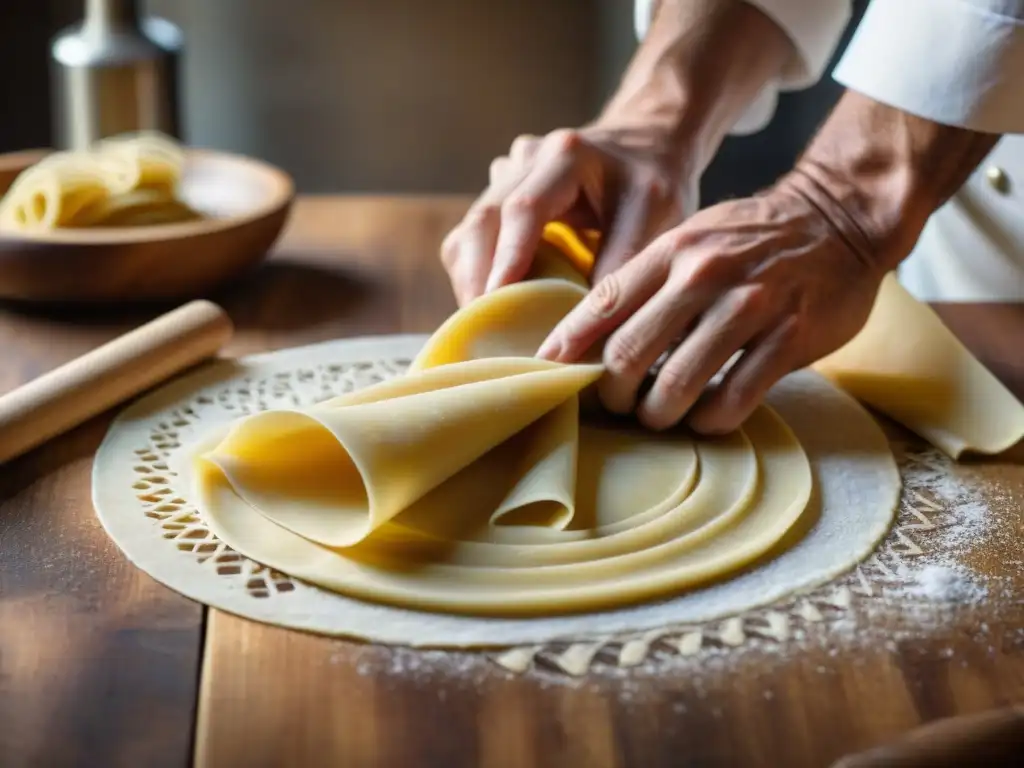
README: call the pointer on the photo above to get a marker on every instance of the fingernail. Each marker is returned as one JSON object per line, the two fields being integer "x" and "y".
{"x": 550, "y": 350}
{"x": 653, "y": 411}
{"x": 504, "y": 256}
{"x": 493, "y": 281}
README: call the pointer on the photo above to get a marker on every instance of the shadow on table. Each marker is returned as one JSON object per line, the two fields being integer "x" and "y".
{"x": 17, "y": 474}
{"x": 1012, "y": 455}
{"x": 293, "y": 295}
{"x": 275, "y": 296}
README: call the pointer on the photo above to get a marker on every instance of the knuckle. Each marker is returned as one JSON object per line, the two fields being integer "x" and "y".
{"x": 752, "y": 300}
{"x": 499, "y": 167}
{"x": 520, "y": 205}
{"x": 564, "y": 140}
{"x": 679, "y": 239}
{"x": 622, "y": 356}
{"x": 523, "y": 145}
{"x": 674, "y": 379}
{"x": 482, "y": 215}
{"x": 697, "y": 270}
{"x": 450, "y": 247}
{"x": 652, "y": 187}
{"x": 605, "y": 298}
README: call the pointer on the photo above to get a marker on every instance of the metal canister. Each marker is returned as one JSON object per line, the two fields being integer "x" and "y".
{"x": 115, "y": 72}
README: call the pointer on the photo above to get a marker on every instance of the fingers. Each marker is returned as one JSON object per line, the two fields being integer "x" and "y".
{"x": 644, "y": 337}
{"x": 735, "y": 319}
{"x": 523, "y": 150}
{"x": 744, "y": 386}
{"x": 548, "y": 190}
{"x": 494, "y": 245}
{"x": 628, "y": 234}
{"x": 468, "y": 251}
{"x": 607, "y": 306}
{"x": 635, "y": 347}
{"x": 500, "y": 171}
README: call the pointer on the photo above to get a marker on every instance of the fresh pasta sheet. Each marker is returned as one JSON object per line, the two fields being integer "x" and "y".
{"x": 481, "y": 483}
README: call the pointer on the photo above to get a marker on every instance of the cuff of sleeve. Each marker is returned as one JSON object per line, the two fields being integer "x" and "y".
{"x": 759, "y": 112}
{"x": 814, "y": 27}
{"x": 643, "y": 10}
{"x": 951, "y": 61}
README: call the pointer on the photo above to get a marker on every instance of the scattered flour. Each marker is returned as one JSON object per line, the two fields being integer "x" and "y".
{"x": 945, "y": 584}
{"x": 907, "y": 590}
{"x": 956, "y": 520}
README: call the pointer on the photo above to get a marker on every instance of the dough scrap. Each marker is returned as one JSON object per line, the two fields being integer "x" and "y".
{"x": 906, "y": 363}
{"x": 471, "y": 486}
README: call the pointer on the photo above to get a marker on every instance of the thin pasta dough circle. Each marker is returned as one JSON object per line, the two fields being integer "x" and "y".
{"x": 462, "y": 486}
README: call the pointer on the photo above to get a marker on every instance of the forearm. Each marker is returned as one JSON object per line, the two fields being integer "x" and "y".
{"x": 887, "y": 170}
{"x": 697, "y": 69}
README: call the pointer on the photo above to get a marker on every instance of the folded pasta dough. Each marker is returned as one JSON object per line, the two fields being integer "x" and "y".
{"x": 735, "y": 514}
{"x": 511, "y": 322}
{"x": 336, "y": 472}
{"x": 544, "y": 491}
{"x": 906, "y": 363}
{"x": 470, "y": 485}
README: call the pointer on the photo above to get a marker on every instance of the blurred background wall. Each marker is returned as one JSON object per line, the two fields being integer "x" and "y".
{"x": 387, "y": 96}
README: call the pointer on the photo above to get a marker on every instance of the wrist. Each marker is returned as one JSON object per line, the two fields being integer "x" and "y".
{"x": 879, "y": 173}
{"x": 695, "y": 74}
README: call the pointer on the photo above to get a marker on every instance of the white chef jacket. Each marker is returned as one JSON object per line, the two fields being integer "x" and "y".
{"x": 957, "y": 62}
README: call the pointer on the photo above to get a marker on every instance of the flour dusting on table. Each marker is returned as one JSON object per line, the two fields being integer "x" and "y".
{"x": 945, "y": 584}
{"x": 908, "y": 590}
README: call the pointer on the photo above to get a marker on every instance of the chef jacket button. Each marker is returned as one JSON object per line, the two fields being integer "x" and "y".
{"x": 997, "y": 179}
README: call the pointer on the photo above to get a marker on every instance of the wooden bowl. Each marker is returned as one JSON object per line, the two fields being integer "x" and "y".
{"x": 248, "y": 203}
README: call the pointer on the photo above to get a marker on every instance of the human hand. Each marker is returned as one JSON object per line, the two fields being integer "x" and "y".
{"x": 625, "y": 182}
{"x": 783, "y": 277}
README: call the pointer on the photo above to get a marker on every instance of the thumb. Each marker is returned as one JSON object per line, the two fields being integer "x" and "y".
{"x": 546, "y": 193}
{"x": 549, "y": 191}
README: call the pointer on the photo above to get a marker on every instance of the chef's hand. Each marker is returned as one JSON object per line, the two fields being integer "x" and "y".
{"x": 625, "y": 182}
{"x": 633, "y": 171}
{"x": 783, "y": 278}
{"x": 773, "y": 277}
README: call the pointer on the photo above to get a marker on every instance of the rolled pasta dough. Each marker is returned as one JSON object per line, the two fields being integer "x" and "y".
{"x": 471, "y": 486}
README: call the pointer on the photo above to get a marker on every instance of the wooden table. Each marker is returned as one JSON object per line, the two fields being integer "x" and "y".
{"x": 101, "y": 666}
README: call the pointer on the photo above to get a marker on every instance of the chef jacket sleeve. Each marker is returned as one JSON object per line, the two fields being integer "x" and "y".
{"x": 814, "y": 28}
{"x": 957, "y": 62}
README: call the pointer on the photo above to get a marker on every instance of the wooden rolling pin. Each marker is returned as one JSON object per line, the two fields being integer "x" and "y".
{"x": 75, "y": 392}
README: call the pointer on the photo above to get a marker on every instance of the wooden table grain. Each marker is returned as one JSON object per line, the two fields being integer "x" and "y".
{"x": 101, "y": 666}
